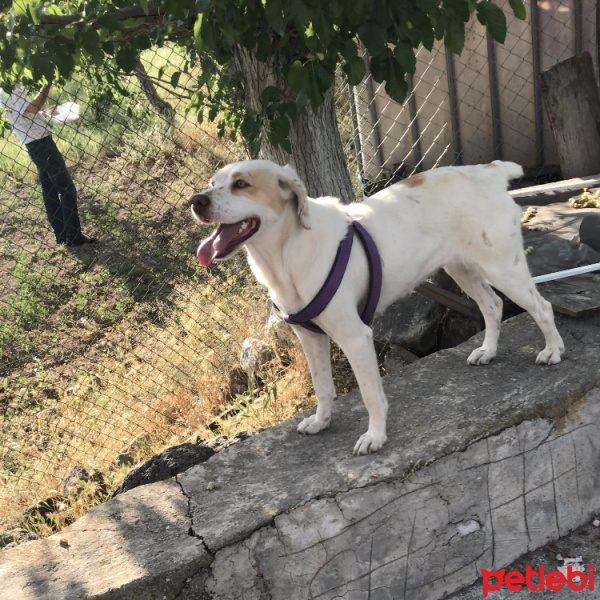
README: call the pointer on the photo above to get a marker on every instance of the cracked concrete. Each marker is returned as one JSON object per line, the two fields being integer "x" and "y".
{"x": 482, "y": 465}
{"x": 427, "y": 535}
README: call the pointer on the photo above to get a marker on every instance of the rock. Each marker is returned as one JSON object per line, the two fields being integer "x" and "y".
{"x": 224, "y": 441}
{"x": 276, "y": 327}
{"x": 396, "y": 358}
{"x": 589, "y": 256}
{"x": 167, "y": 464}
{"x": 237, "y": 383}
{"x": 411, "y": 322}
{"x": 255, "y": 355}
{"x": 76, "y": 479}
{"x": 589, "y": 231}
{"x": 13, "y": 537}
{"x": 123, "y": 459}
{"x": 481, "y": 465}
{"x": 457, "y": 329}
{"x": 40, "y": 510}
{"x": 132, "y": 447}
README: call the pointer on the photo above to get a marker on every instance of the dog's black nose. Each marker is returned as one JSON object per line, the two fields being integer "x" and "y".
{"x": 199, "y": 201}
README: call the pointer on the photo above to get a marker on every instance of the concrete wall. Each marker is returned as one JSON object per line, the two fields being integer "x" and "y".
{"x": 519, "y": 138}
{"x": 482, "y": 465}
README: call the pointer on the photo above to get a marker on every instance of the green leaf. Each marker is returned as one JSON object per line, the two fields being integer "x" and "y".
{"x": 386, "y": 68}
{"x": 461, "y": 8}
{"x": 493, "y": 18}
{"x": 251, "y": 130}
{"x": 263, "y": 46}
{"x": 42, "y": 67}
{"x": 30, "y": 9}
{"x": 355, "y": 70}
{"x": 175, "y": 79}
{"x": 373, "y": 37}
{"x": 53, "y": 9}
{"x": 300, "y": 13}
{"x": 90, "y": 40}
{"x": 395, "y": 84}
{"x": 279, "y": 129}
{"x": 133, "y": 23}
{"x": 270, "y": 95}
{"x": 405, "y": 55}
{"x": 358, "y": 11}
{"x": 198, "y": 25}
{"x": 349, "y": 50}
{"x": 321, "y": 26}
{"x": 126, "y": 58}
{"x": 455, "y": 35}
{"x": 141, "y": 42}
{"x": 297, "y": 77}
{"x": 518, "y": 7}
{"x": 276, "y": 16}
{"x": 109, "y": 21}
{"x": 422, "y": 30}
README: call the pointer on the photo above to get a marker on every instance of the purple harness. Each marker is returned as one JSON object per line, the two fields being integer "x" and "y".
{"x": 317, "y": 305}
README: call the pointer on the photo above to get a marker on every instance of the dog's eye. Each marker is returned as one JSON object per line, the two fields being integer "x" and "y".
{"x": 240, "y": 184}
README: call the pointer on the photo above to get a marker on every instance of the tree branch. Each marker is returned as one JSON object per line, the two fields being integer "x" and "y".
{"x": 122, "y": 14}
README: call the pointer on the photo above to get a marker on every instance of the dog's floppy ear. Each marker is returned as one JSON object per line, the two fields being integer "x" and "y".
{"x": 289, "y": 180}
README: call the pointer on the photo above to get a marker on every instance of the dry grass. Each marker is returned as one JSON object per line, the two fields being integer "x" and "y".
{"x": 132, "y": 351}
{"x": 161, "y": 384}
{"x": 126, "y": 346}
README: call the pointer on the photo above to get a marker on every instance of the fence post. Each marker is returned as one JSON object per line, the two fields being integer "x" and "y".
{"x": 571, "y": 97}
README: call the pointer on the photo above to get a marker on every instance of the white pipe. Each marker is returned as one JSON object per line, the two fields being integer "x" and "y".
{"x": 567, "y": 273}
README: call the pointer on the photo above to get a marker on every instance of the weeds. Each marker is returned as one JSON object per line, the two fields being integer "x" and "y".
{"x": 124, "y": 347}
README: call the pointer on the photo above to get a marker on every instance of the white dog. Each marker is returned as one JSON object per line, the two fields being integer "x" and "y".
{"x": 459, "y": 218}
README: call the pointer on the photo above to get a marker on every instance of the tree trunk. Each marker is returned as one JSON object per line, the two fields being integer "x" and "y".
{"x": 162, "y": 106}
{"x": 317, "y": 152}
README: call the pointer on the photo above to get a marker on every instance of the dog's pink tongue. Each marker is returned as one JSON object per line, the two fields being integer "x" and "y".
{"x": 216, "y": 245}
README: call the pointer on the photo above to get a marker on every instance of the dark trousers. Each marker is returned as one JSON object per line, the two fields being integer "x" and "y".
{"x": 58, "y": 190}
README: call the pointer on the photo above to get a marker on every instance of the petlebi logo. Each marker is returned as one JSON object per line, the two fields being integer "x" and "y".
{"x": 574, "y": 574}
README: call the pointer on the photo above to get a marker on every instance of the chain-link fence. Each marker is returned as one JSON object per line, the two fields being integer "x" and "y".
{"x": 483, "y": 105}
{"x": 111, "y": 351}
{"x": 114, "y": 349}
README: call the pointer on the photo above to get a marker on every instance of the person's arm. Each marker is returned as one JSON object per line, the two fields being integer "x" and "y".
{"x": 36, "y": 104}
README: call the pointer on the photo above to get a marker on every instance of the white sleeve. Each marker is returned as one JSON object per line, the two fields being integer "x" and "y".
{"x": 17, "y": 101}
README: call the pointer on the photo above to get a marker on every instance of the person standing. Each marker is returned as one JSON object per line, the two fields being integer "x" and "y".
{"x": 34, "y": 130}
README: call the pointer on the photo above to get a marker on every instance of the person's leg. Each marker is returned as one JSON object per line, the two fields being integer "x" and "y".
{"x": 38, "y": 153}
{"x": 62, "y": 182}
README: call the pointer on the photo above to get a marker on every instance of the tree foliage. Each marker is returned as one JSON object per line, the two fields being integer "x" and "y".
{"x": 305, "y": 40}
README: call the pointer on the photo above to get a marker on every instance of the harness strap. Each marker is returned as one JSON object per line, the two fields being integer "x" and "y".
{"x": 318, "y": 304}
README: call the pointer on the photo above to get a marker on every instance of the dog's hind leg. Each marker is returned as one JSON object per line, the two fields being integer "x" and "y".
{"x": 516, "y": 283}
{"x": 317, "y": 350}
{"x": 490, "y": 305}
{"x": 357, "y": 343}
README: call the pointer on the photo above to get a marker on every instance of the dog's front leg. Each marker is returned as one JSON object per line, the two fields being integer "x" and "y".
{"x": 356, "y": 340}
{"x": 317, "y": 349}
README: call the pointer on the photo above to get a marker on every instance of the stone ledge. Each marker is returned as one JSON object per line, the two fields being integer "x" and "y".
{"x": 462, "y": 484}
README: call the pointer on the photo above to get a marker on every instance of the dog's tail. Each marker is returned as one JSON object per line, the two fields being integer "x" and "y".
{"x": 510, "y": 170}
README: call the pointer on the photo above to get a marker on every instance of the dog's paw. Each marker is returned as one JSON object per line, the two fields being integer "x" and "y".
{"x": 369, "y": 442}
{"x": 481, "y": 356}
{"x": 548, "y": 356}
{"x": 312, "y": 425}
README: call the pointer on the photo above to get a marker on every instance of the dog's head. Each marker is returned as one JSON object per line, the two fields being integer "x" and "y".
{"x": 243, "y": 199}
